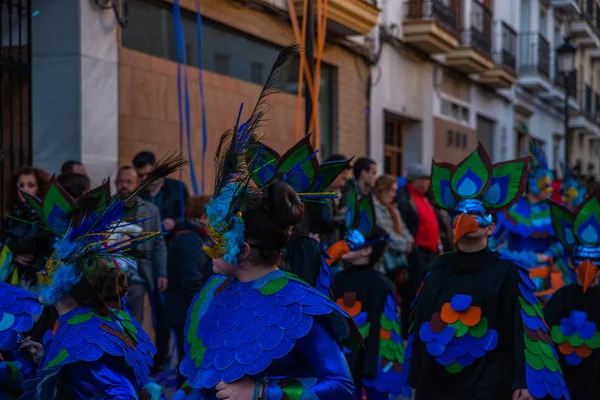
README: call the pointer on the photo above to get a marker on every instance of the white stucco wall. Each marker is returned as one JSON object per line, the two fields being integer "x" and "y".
{"x": 404, "y": 88}
{"x": 543, "y": 123}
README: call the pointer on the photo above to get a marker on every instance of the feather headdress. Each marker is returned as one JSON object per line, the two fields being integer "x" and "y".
{"x": 233, "y": 172}
{"x": 83, "y": 229}
{"x": 540, "y": 175}
{"x": 298, "y": 167}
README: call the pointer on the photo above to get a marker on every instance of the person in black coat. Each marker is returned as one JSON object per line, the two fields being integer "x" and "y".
{"x": 30, "y": 245}
{"x": 188, "y": 268}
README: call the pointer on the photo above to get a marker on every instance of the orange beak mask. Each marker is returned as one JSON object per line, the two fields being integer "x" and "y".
{"x": 586, "y": 273}
{"x": 464, "y": 224}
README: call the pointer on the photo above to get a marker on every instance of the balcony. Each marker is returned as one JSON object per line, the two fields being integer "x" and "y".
{"x": 588, "y": 119}
{"x": 584, "y": 27}
{"x": 504, "y": 73}
{"x": 534, "y": 62}
{"x": 475, "y": 52}
{"x": 347, "y": 17}
{"x": 569, "y": 7}
{"x": 431, "y": 25}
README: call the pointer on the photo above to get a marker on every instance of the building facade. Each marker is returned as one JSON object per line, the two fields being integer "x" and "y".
{"x": 454, "y": 73}
{"x": 121, "y": 90}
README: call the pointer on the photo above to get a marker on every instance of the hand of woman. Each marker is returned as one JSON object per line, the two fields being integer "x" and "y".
{"x": 34, "y": 348}
{"x": 24, "y": 259}
{"x": 521, "y": 394}
{"x": 239, "y": 390}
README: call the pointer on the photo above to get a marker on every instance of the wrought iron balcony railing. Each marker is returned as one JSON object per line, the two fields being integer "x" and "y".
{"x": 534, "y": 54}
{"x": 443, "y": 12}
{"x": 505, "y": 46}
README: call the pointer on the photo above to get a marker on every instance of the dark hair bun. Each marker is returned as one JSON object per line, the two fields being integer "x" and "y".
{"x": 114, "y": 287}
{"x": 284, "y": 205}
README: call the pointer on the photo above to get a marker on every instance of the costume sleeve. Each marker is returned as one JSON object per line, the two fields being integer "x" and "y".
{"x": 17, "y": 368}
{"x": 331, "y": 377}
{"x": 537, "y": 367}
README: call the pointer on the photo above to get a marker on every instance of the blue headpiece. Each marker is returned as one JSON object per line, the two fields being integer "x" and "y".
{"x": 85, "y": 229}
{"x": 360, "y": 226}
{"x": 572, "y": 190}
{"x": 540, "y": 176}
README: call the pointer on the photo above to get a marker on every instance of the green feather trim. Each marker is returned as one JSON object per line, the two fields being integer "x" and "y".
{"x": 293, "y": 389}
{"x": 364, "y": 330}
{"x": 460, "y": 329}
{"x": 60, "y": 357}
{"x": 197, "y": 349}
{"x": 479, "y": 330}
{"x": 13, "y": 370}
{"x": 454, "y": 368}
{"x": 274, "y": 286}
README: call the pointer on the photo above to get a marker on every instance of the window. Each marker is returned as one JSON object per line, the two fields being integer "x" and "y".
{"x": 222, "y": 63}
{"x": 544, "y": 21}
{"x": 393, "y": 146}
{"x": 257, "y": 73}
{"x": 455, "y": 111}
{"x": 225, "y": 51}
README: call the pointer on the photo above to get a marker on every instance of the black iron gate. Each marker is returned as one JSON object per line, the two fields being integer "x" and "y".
{"x": 15, "y": 92}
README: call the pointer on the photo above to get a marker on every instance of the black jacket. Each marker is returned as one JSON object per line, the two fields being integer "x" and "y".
{"x": 188, "y": 269}
{"x": 25, "y": 238}
{"x": 168, "y": 200}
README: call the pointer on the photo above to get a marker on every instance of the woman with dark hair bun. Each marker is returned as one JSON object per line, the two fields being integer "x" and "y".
{"x": 254, "y": 331}
{"x": 97, "y": 350}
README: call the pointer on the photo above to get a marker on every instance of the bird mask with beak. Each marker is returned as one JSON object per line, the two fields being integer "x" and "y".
{"x": 475, "y": 188}
{"x": 579, "y": 231}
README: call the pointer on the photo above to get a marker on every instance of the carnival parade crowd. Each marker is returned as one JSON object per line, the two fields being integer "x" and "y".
{"x": 302, "y": 279}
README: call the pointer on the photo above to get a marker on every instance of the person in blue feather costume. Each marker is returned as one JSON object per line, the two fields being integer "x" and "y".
{"x": 524, "y": 232}
{"x": 254, "y": 331}
{"x": 97, "y": 349}
{"x": 18, "y": 355}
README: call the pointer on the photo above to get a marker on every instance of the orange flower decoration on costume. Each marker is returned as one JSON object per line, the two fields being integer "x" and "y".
{"x": 349, "y": 304}
{"x": 470, "y": 316}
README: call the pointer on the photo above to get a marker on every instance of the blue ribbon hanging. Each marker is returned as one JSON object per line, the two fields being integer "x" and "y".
{"x": 201, "y": 83}
{"x": 182, "y": 64}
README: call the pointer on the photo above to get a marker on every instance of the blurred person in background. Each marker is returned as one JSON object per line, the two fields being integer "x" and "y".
{"x": 365, "y": 174}
{"x": 73, "y": 167}
{"x": 166, "y": 194}
{"x": 188, "y": 268}
{"x": 74, "y": 184}
{"x": 151, "y": 273}
{"x": 327, "y": 219}
{"x": 26, "y": 247}
{"x": 394, "y": 263}
{"x": 422, "y": 222}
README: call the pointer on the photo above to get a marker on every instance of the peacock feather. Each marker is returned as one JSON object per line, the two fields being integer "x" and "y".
{"x": 497, "y": 186}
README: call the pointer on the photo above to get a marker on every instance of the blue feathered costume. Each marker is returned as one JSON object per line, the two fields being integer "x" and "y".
{"x": 99, "y": 351}
{"x": 277, "y": 330}
{"x": 17, "y": 310}
{"x": 524, "y": 232}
